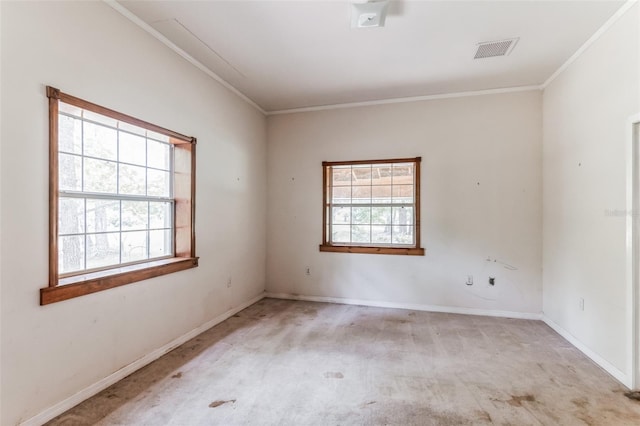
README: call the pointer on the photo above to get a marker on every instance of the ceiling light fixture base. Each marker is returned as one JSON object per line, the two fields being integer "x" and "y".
{"x": 369, "y": 14}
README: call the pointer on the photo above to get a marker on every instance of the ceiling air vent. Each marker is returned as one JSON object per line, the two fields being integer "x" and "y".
{"x": 489, "y": 49}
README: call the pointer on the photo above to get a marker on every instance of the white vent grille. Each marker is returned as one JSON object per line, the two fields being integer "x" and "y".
{"x": 489, "y": 49}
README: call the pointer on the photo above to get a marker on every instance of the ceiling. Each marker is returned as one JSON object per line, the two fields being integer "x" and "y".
{"x": 293, "y": 54}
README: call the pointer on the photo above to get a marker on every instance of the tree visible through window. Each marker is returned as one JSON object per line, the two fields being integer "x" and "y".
{"x": 121, "y": 199}
{"x": 115, "y": 198}
{"x": 372, "y": 206}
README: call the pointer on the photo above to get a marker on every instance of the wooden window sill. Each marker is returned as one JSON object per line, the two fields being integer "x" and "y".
{"x": 81, "y": 285}
{"x": 411, "y": 251}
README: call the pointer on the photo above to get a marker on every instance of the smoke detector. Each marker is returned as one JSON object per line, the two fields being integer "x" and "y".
{"x": 489, "y": 49}
{"x": 369, "y": 14}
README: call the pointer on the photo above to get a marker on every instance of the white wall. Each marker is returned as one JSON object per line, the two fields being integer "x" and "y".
{"x": 585, "y": 131}
{"x": 481, "y": 197}
{"x": 89, "y": 50}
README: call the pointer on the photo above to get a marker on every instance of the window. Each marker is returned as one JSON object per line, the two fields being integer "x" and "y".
{"x": 121, "y": 199}
{"x": 372, "y": 206}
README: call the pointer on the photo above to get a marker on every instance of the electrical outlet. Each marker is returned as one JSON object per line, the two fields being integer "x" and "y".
{"x": 307, "y": 271}
{"x": 469, "y": 279}
{"x": 581, "y": 303}
{"x": 229, "y": 282}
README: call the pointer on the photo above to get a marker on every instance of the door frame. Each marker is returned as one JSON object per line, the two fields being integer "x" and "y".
{"x": 633, "y": 248}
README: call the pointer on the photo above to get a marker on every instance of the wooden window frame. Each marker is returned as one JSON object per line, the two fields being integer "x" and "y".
{"x": 327, "y": 246}
{"x": 184, "y": 191}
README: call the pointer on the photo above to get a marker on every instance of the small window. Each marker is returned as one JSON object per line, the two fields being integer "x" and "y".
{"x": 121, "y": 199}
{"x": 372, "y": 206}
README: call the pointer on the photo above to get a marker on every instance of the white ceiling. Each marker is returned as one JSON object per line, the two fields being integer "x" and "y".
{"x": 293, "y": 54}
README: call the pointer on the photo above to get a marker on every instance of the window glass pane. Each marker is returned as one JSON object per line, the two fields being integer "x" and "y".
{"x": 402, "y": 173}
{"x": 381, "y": 194}
{"x": 362, "y": 175}
{"x": 102, "y": 119}
{"x": 100, "y": 176}
{"x": 158, "y": 155}
{"x": 132, "y": 180}
{"x": 382, "y": 198}
{"x": 131, "y": 128}
{"x": 361, "y": 215}
{"x": 159, "y": 243}
{"x": 103, "y": 215}
{"x": 341, "y": 215}
{"x": 158, "y": 183}
{"x": 157, "y": 136}
{"x": 341, "y": 195}
{"x": 100, "y": 141}
{"x": 133, "y": 149}
{"x": 361, "y": 194}
{"x": 69, "y": 172}
{"x": 341, "y": 233}
{"x": 381, "y": 174}
{"x": 69, "y": 109}
{"x": 380, "y": 215}
{"x": 403, "y": 194}
{"x": 361, "y": 233}
{"x": 380, "y": 234}
{"x": 341, "y": 175}
{"x": 402, "y": 235}
{"x": 103, "y": 250}
{"x": 69, "y": 134}
{"x": 403, "y": 215}
{"x": 70, "y": 215}
{"x": 70, "y": 254}
{"x": 134, "y": 246}
{"x": 134, "y": 215}
{"x": 159, "y": 215}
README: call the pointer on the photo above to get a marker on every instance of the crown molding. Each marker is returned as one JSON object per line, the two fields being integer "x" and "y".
{"x": 602, "y": 30}
{"x": 155, "y": 33}
{"x": 407, "y": 99}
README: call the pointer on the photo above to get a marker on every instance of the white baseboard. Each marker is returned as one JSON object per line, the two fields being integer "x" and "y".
{"x": 619, "y": 375}
{"x": 102, "y": 384}
{"x": 412, "y": 306}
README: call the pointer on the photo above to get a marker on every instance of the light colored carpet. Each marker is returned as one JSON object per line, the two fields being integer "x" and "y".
{"x": 301, "y": 363}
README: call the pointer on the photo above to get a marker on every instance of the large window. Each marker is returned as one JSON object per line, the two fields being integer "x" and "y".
{"x": 121, "y": 199}
{"x": 372, "y": 206}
